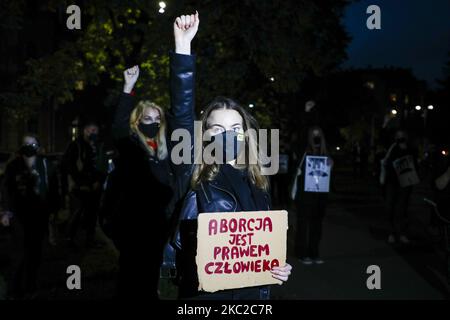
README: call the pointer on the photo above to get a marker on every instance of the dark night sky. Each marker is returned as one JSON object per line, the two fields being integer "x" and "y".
{"x": 414, "y": 34}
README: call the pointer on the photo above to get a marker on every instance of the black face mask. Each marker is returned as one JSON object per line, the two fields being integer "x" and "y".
{"x": 401, "y": 140}
{"x": 230, "y": 142}
{"x": 317, "y": 141}
{"x": 93, "y": 137}
{"x": 29, "y": 150}
{"x": 149, "y": 130}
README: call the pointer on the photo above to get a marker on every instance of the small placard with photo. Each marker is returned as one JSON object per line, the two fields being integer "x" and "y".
{"x": 406, "y": 171}
{"x": 317, "y": 174}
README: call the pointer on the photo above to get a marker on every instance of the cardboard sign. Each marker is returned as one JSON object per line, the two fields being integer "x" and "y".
{"x": 406, "y": 171}
{"x": 238, "y": 249}
{"x": 317, "y": 174}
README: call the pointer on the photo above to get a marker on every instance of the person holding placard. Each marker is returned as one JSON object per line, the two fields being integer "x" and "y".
{"x": 223, "y": 185}
{"x": 310, "y": 193}
{"x": 398, "y": 176}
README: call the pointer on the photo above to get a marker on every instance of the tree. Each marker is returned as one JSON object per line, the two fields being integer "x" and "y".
{"x": 260, "y": 52}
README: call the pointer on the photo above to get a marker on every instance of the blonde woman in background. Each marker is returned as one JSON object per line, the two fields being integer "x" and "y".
{"x": 142, "y": 191}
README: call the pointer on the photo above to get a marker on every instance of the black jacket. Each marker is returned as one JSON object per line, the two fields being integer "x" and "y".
{"x": 84, "y": 165}
{"x": 141, "y": 188}
{"x": 214, "y": 196}
{"x": 25, "y": 190}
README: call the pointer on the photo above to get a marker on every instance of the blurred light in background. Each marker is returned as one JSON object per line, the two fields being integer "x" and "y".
{"x": 162, "y": 6}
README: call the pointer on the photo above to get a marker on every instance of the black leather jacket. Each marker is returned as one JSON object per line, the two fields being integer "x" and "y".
{"x": 213, "y": 196}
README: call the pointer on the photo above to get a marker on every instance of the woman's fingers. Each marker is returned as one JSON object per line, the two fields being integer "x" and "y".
{"x": 287, "y": 267}
{"x": 282, "y": 278}
{"x": 183, "y": 22}
{"x": 188, "y": 22}
{"x": 282, "y": 273}
{"x": 178, "y": 22}
{"x": 197, "y": 18}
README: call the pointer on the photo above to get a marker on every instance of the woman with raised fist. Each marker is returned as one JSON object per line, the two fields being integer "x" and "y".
{"x": 230, "y": 183}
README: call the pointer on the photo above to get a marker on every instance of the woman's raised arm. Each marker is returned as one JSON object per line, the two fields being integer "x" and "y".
{"x": 182, "y": 75}
{"x": 121, "y": 122}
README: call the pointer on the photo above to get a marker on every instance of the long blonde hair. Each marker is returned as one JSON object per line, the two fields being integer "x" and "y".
{"x": 207, "y": 172}
{"x": 135, "y": 119}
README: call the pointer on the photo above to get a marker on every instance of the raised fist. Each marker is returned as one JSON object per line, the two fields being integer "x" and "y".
{"x": 130, "y": 75}
{"x": 184, "y": 28}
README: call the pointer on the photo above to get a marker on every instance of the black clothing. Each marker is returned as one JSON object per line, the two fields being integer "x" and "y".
{"x": 143, "y": 189}
{"x": 84, "y": 164}
{"x": 218, "y": 195}
{"x": 32, "y": 195}
{"x": 397, "y": 197}
{"x": 311, "y": 209}
{"x": 441, "y": 197}
{"x": 395, "y": 154}
{"x": 86, "y": 168}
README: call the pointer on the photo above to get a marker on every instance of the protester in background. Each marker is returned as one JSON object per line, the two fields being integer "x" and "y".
{"x": 441, "y": 183}
{"x": 225, "y": 187}
{"x": 380, "y": 153}
{"x": 5, "y": 218}
{"x": 30, "y": 195}
{"x": 396, "y": 191}
{"x": 311, "y": 206}
{"x": 85, "y": 163}
{"x": 142, "y": 181}
{"x": 356, "y": 155}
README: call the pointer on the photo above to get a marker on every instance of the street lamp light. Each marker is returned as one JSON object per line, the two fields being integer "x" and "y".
{"x": 251, "y": 105}
{"x": 418, "y": 108}
{"x": 430, "y": 107}
{"x": 394, "y": 112}
{"x": 272, "y": 79}
{"x": 162, "y": 6}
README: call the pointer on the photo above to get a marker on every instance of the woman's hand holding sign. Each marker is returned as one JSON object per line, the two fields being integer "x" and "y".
{"x": 282, "y": 273}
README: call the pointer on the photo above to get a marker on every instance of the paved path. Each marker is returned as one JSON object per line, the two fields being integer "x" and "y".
{"x": 355, "y": 233}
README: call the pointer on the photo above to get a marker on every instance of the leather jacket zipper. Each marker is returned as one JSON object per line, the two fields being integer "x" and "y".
{"x": 226, "y": 191}
{"x": 206, "y": 195}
